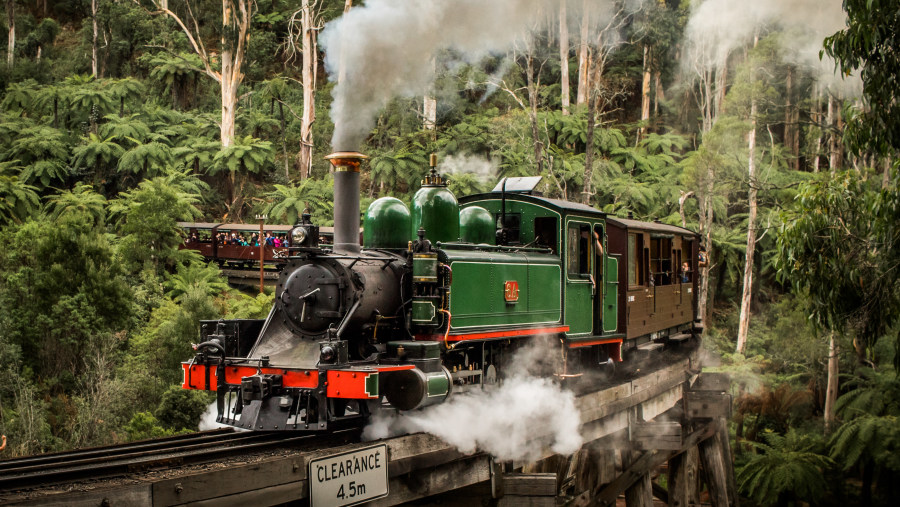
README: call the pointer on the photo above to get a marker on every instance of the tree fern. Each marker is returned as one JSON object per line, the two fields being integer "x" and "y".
{"x": 788, "y": 466}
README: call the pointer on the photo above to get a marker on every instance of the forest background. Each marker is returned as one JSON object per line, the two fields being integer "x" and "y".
{"x": 120, "y": 118}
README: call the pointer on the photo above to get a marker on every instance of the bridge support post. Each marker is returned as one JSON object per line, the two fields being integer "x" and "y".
{"x": 682, "y": 479}
{"x": 639, "y": 494}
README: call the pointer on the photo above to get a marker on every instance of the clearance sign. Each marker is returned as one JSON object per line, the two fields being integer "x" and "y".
{"x": 349, "y": 478}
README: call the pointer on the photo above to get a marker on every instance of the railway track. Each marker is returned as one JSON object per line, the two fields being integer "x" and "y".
{"x": 144, "y": 455}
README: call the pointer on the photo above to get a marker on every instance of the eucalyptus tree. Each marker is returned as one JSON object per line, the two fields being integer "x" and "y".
{"x": 224, "y": 66}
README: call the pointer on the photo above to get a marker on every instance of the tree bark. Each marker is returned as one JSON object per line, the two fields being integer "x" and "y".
{"x": 429, "y": 103}
{"x": 584, "y": 58}
{"x": 746, "y": 294}
{"x": 11, "y": 23}
{"x": 645, "y": 94}
{"x": 836, "y": 125}
{"x": 94, "y": 59}
{"x": 832, "y": 386}
{"x": 564, "y": 57}
{"x": 791, "y": 127}
{"x": 309, "y": 71}
{"x": 532, "y": 111}
{"x": 589, "y": 154}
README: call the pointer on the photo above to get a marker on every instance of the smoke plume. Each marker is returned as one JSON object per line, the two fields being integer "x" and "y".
{"x": 514, "y": 421}
{"x": 483, "y": 168}
{"x": 384, "y": 49}
{"x": 718, "y": 27}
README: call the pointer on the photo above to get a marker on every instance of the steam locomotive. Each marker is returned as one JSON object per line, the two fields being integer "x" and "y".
{"x": 438, "y": 298}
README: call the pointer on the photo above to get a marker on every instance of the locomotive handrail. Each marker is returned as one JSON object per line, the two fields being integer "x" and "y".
{"x": 499, "y": 248}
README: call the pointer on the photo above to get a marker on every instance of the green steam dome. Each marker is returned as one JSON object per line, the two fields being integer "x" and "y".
{"x": 476, "y": 225}
{"x": 386, "y": 224}
{"x": 434, "y": 207}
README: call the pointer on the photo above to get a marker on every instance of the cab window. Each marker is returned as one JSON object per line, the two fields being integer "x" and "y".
{"x": 578, "y": 250}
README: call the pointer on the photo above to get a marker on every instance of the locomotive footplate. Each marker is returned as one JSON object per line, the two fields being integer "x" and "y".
{"x": 272, "y": 398}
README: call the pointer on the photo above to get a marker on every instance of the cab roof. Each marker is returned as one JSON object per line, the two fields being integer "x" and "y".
{"x": 555, "y": 204}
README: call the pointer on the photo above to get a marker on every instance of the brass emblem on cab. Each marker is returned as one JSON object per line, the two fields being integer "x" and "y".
{"x": 511, "y": 291}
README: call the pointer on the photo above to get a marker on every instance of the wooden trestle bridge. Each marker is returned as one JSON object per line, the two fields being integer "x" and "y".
{"x": 673, "y": 416}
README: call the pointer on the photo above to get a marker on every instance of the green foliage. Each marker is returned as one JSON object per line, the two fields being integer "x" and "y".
{"x": 144, "y": 426}
{"x": 286, "y": 204}
{"x": 181, "y": 409}
{"x": 870, "y": 410}
{"x": 786, "y": 467}
{"x": 840, "y": 244}
{"x": 246, "y": 154}
{"x": 60, "y": 285}
{"x": 147, "y": 219}
{"x": 81, "y": 205}
{"x": 870, "y": 45}
{"x": 195, "y": 277}
{"x": 17, "y": 199}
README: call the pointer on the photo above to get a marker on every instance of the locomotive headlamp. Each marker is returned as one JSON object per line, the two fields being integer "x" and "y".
{"x": 299, "y": 236}
{"x": 327, "y": 354}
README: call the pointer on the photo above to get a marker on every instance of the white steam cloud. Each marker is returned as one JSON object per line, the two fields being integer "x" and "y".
{"x": 484, "y": 169}
{"x": 515, "y": 421}
{"x": 718, "y": 27}
{"x": 384, "y": 49}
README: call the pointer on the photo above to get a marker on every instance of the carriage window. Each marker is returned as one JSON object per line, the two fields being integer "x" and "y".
{"x": 578, "y": 248}
{"x": 632, "y": 260}
{"x": 661, "y": 260}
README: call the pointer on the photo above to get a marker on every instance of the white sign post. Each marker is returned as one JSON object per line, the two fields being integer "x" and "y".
{"x": 349, "y": 478}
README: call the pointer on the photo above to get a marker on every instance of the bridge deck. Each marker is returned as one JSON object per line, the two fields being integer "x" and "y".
{"x": 420, "y": 465}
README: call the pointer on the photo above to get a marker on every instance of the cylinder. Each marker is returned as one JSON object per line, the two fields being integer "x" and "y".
{"x": 412, "y": 389}
{"x": 346, "y": 199}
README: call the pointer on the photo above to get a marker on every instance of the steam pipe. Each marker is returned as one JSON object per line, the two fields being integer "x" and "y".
{"x": 346, "y": 200}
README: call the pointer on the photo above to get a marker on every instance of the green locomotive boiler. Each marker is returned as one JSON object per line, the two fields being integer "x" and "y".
{"x": 437, "y": 300}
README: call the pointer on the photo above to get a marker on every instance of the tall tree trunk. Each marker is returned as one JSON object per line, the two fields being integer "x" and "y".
{"x": 817, "y": 120}
{"x": 564, "y": 57}
{"x": 532, "y": 112}
{"x": 790, "y": 126}
{"x": 94, "y": 59}
{"x": 746, "y": 294}
{"x": 744, "y": 322}
{"x": 645, "y": 94}
{"x": 836, "y": 155}
{"x": 429, "y": 102}
{"x": 584, "y": 57}
{"x": 886, "y": 174}
{"x": 11, "y": 23}
{"x": 309, "y": 71}
{"x": 658, "y": 92}
{"x": 284, "y": 153}
{"x": 706, "y": 221}
{"x": 589, "y": 153}
{"x": 832, "y": 387}
{"x": 721, "y": 86}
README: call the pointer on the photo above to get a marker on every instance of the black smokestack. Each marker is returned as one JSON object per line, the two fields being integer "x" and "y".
{"x": 346, "y": 199}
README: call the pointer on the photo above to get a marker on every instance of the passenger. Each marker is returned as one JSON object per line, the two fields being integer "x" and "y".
{"x": 685, "y": 272}
{"x": 270, "y": 241}
{"x": 276, "y": 242}
{"x": 598, "y": 244}
{"x": 702, "y": 260}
